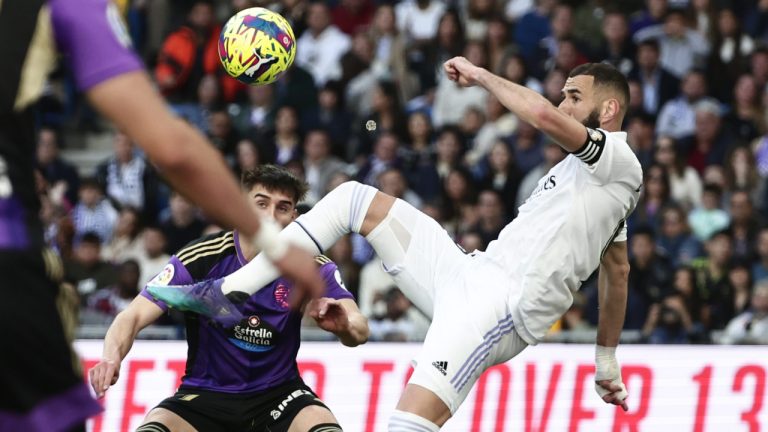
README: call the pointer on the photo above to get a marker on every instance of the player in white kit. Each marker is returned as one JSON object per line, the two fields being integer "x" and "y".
{"x": 486, "y": 307}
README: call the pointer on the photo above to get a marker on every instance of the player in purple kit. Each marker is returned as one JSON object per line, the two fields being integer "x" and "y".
{"x": 239, "y": 376}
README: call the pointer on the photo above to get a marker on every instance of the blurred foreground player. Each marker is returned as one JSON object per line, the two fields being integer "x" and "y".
{"x": 42, "y": 389}
{"x": 243, "y": 376}
{"x": 572, "y": 224}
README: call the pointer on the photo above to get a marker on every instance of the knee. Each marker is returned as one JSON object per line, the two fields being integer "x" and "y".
{"x": 402, "y": 421}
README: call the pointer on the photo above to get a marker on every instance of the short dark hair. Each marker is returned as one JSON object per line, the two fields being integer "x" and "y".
{"x": 650, "y": 43}
{"x": 275, "y": 178}
{"x": 608, "y": 77}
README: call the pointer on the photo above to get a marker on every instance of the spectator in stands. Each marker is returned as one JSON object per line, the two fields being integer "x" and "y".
{"x": 125, "y": 240}
{"x": 684, "y": 182}
{"x": 533, "y": 27}
{"x": 527, "y": 143}
{"x": 684, "y": 284}
{"x": 390, "y": 58}
{"x": 152, "y": 256}
{"x": 392, "y": 182}
{"x": 93, "y": 213}
{"x": 452, "y": 100}
{"x": 256, "y": 117}
{"x": 745, "y": 117}
{"x": 189, "y": 53}
{"x": 503, "y": 177}
{"x": 652, "y": 15}
{"x": 427, "y": 178}
{"x": 640, "y": 138}
{"x": 553, "y": 154}
{"x": 384, "y": 156}
{"x": 758, "y": 66}
{"x": 741, "y": 172}
{"x": 319, "y": 164}
{"x": 745, "y": 224}
{"x": 750, "y": 327}
{"x": 385, "y": 116}
{"x": 498, "y": 43}
{"x": 514, "y": 69}
{"x": 476, "y": 16}
{"x": 760, "y": 266}
{"x": 740, "y": 280}
{"x": 670, "y": 323}
{"x": 677, "y": 118}
{"x": 658, "y": 85}
{"x": 548, "y": 53}
{"x": 208, "y": 99}
{"x": 247, "y": 157}
{"x": 710, "y": 141}
{"x": 182, "y": 225}
{"x": 712, "y": 280}
{"x": 397, "y": 324}
{"x": 331, "y": 116}
{"x": 553, "y": 86}
{"x": 499, "y": 124}
{"x": 709, "y": 217}
{"x": 675, "y": 239}
{"x": 54, "y": 169}
{"x": 86, "y": 271}
{"x": 285, "y": 145}
{"x": 320, "y": 48}
{"x": 491, "y": 216}
{"x": 105, "y": 304}
{"x": 617, "y": 48}
{"x": 356, "y": 64}
{"x": 128, "y": 179}
{"x": 650, "y": 277}
{"x": 353, "y": 16}
{"x": 459, "y": 198}
{"x": 730, "y": 53}
{"x": 296, "y": 88}
{"x": 419, "y": 150}
{"x": 681, "y": 48}
{"x": 221, "y": 133}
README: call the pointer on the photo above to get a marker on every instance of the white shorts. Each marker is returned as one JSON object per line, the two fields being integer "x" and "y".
{"x": 467, "y": 296}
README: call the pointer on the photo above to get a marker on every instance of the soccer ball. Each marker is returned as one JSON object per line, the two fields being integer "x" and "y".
{"x": 256, "y": 46}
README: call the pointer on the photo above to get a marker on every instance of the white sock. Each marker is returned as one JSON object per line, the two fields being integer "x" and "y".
{"x": 402, "y": 421}
{"x": 341, "y": 211}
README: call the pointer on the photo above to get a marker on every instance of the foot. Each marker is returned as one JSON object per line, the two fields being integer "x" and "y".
{"x": 204, "y": 298}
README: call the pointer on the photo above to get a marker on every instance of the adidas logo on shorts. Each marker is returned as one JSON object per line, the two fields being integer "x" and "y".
{"x": 442, "y": 366}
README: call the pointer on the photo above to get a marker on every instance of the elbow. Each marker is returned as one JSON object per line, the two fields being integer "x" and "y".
{"x": 620, "y": 273}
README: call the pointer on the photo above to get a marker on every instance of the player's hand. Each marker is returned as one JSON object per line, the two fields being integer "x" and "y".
{"x": 103, "y": 375}
{"x": 612, "y": 392}
{"x": 462, "y": 71}
{"x": 300, "y": 267}
{"x": 329, "y": 314}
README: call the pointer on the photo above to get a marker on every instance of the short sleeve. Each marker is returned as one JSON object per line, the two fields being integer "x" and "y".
{"x": 92, "y": 34}
{"x": 174, "y": 273}
{"x": 607, "y": 158}
{"x": 334, "y": 285}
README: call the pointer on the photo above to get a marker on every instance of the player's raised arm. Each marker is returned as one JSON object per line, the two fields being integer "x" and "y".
{"x": 612, "y": 296}
{"x": 119, "y": 340}
{"x": 525, "y": 103}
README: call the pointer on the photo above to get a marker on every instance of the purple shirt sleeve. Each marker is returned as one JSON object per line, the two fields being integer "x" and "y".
{"x": 334, "y": 286}
{"x": 174, "y": 273}
{"x": 92, "y": 33}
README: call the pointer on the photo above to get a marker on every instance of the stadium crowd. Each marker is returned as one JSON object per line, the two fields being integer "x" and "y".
{"x": 366, "y": 99}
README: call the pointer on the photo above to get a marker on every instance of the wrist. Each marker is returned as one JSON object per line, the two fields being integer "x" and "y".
{"x": 267, "y": 239}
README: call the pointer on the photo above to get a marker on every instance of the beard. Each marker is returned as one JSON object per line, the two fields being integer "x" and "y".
{"x": 592, "y": 121}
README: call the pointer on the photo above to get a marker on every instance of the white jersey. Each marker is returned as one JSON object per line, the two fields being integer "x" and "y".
{"x": 557, "y": 241}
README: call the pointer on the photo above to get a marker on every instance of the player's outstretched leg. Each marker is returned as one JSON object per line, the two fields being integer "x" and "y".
{"x": 205, "y": 298}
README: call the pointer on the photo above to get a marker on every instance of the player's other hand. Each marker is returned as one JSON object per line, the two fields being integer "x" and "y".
{"x": 462, "y": 71}
{"x": 613, "y": 392}
{"x": 104, "y": 374}
{"x": 300, "y": 267}
{"x": 329, "y": 314}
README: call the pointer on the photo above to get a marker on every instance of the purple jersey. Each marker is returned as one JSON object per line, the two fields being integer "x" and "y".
{"x": 260, "y": 351}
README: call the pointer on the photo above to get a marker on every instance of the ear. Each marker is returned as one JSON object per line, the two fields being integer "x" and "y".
{"x": 610, "y": 110}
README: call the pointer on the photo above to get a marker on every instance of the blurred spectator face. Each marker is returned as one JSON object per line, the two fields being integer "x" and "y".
{"x": 89, "y": 195}
{"x": 260, "y": 96}
{"x": 337, "y": 179}
{"x": 665, "y": 151}
{"x": 615, "y": 28}
{"x": 727, "y": 25}
{"x": 127, "y": 223}
{"x": 181, "y": 209}
{"x": 380, "y": 101}
{"x": 657, "y": 8}
{"x": 745, "y": 91}
{"x": 318, "y": 17}
{"x": 316, "y": 146}
{"x": 362, "y": 47}
{"x": 418, "y": 126}
{"x": 448, "y": 147}
{"x": 273, "y": 204}
{"x": 738, "y": 276}
{"x": 154, "y": 242}
{"x": 673, "y": 223}
{"x": 562, "y": 21}
{"x": 384, "y": 20}
{"x": 684, "y": 281}
{"x": 567, "y": 55}
{"x": 694, "y": 86}
{"x": 490, "y": 208}
{"x": 719, "y": 249}
{"x": 447, "y": 29}
{"x": 247, "y": 156}
{"x": 553, "y": 153}
{"x": 386, "y": 148}
{"x": 760, "y": 299}
{"x": 553, "y": 85}
{"x": 514, "y": 70}
{"x": 642, "y": 247}
{"x": 714, "y": 174}
{"x": 647, "y": 57}
{"x": 328, "y": 99}
{"x": 123, "y": 147}
{"x": 497, "y": 33}
{"x": 392, "y": 182}
{"x": 47, "y": 147}
{"x": 762, "y": 243}
{"x": 128, "y": 279}
{"x": 208, "y": 90}
{"x": 741, "y": 207}
{"x": 473, "y": 120}
{"x": 201, "y": 16}
{"x": 456, "y": 186}
{"x": 471, "y": 242}
{"x": 669, "y": 317}
{"x": 639, "y": 133}
{"x": 475, "y": 53}
{"x": 710, "y": 200}
{"x": 674, "y": 25}
{"x": 759, "y": 64}
{"x": 397, "y": 304}
{"x": 654, "y": 182}
{"x": 500, "y": 157}
{"x": 635, "y": 95}
{"x": 219, "y": 124}
{"x": 286, "y": 121}
{"x": 707, "y": 125}
{"x": 88, "y": 253}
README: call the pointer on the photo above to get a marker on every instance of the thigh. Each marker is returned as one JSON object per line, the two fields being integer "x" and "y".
{"x": 472, "y": 329}
{"x": 311, "y": 416}
{"x": 171, "y": 420}
{"x": 430, "y": 261}
{"x": 289, "y": 406}
{"x": 195, "y": 410}
{"x": 41, "y": 376}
